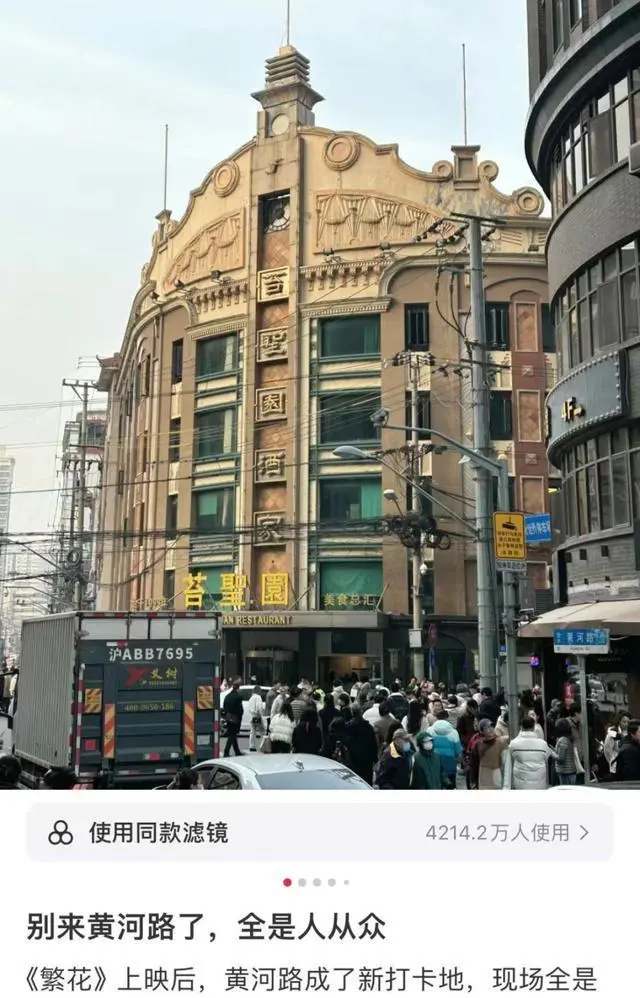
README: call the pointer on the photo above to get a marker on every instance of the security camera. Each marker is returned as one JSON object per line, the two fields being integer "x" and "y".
{"x": 424, "y": 568}
{"x": 380, "y": 417}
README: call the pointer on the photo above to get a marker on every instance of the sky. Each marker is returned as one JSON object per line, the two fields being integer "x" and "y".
{"x": 86, "y": 88}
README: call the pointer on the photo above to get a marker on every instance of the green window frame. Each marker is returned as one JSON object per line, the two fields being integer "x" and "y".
{"x": 213, "y": 509}
{"x": 215, "y": 433}
{"x": 345, "y": 417}
{"x": 216, "y": 356}
{"x": 349, "y": 500}
{"x": 349, "y": 336}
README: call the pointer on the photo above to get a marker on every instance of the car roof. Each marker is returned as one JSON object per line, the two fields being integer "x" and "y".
{"x": 277, "y": 763}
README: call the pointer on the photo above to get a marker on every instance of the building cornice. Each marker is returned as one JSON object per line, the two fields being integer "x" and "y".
{"x": 233, "y": 324}
{"x": 349, "y": 306}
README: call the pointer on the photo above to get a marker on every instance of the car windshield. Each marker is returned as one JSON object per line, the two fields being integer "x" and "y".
{"x": 311, "y": 779}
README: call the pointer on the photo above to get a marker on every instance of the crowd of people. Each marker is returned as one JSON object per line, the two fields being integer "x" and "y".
{"x": 418, "y": 737}
{"x": 424, "y": 738}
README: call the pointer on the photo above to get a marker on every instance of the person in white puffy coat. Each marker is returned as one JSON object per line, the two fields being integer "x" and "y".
{"x": 527, "y": 760}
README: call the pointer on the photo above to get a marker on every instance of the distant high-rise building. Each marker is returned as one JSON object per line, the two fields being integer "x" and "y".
{"x": 7, "y": 467}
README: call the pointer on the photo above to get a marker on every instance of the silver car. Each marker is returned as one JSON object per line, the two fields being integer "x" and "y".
{"x": 277, "y": 772}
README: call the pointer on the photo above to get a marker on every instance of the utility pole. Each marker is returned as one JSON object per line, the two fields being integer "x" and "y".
{"x": 510, "y": 598}
{"x": 416, "y": 557}
{"x": 487, "y": 643}
{"x": 81, "y": 389}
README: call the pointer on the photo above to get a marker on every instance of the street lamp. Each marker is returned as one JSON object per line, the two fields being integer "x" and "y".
{"x": 487, "y": 581}
{"x": 349, "y": 453}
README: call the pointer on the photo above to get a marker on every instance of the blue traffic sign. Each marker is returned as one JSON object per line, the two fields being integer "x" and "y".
{"x": 581, "y": 641}
{"x": 537, "y": 528}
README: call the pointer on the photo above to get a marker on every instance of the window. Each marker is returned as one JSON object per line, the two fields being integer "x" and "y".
{"x": 345, "y": 417}
{"x": 608, "y": 331}
{"x": 174, "y": 440}
{"x": 172, "y": 518}
{"x": 548, "y": 331}
{"x": 597, "y": 489}
{"x": 512, "y": 494}
{"x": 630, "y": 328}
{"x": 276, "y": 212}
{"x": 215, "y": 433}
{"x": 416, "y": 327}
{"x": 600, "y": 144}
{"x": 142, "y": 525}
{"x": 120, "y": 484}
{"x": 350, "y": 500}
{"x": 125, "y": 532}
{"x": 144, "y": 454}
{"x": 424, "y": 411}
{"x": 213, "y": 510}
{"x": 169, "y": 585}
{"x": 351, "y": 585}
{"x": 176, "y": 362}
{"x": 146, "y": 376}
{"x": 556, "y": 24}
{"x": 599, "y": 309}
{"x": 575, "y": 12}
{"x": 496, "y": 317}
{"x": 596, "y": 139}
{"x": 216, "y": 355}
{"x": 500, "y": 416}
{"x": 350, "y": 336}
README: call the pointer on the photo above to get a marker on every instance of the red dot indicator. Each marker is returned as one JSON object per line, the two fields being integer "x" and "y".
{"x": 287, "y": 882}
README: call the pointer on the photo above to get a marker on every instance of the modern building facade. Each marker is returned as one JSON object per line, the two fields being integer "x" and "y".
{"x": 583, "y": 145}
{"x": 262, "y": 338}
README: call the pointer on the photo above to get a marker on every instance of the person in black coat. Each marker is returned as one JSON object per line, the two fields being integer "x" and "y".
{"x": 307, "y": 734}
{"x": 363, "y": 746}
{"x": 628, "y": 760}
{"x": 489, "y": 707}
{"x": 328, "y": 714}
{"x": 394, "y": 769}
{"x": 10, "y": 770}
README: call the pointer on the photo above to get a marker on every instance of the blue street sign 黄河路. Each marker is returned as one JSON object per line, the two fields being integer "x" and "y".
{"x": 538, "y": 528}
{"x": 581, "y": 641}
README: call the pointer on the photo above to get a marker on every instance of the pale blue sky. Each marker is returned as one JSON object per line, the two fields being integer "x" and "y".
{"x": 85, "y": 90}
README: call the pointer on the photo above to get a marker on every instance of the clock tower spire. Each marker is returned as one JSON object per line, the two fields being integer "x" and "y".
{"x": 288, "y": 98}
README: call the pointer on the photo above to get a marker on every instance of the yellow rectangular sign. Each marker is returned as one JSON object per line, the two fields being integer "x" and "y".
{"x": 509, "y": 537}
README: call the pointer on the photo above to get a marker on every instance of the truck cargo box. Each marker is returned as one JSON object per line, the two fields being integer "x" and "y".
{"x": 133, "y": 697}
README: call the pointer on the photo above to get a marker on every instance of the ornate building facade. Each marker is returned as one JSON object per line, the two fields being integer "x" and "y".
{"x": 263, "y": 337}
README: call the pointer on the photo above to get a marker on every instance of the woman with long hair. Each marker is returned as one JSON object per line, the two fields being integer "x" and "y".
{"x": 282, "y": 726}
{"x": 416, "y": 718}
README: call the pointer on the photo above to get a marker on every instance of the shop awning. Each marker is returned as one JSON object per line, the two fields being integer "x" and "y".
{"x": 621, "y": 617}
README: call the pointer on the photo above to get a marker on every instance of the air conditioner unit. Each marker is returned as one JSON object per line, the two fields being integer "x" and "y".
{"x": 634, "y": 159}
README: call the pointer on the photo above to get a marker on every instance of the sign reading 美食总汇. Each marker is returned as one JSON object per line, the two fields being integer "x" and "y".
{"x": 581, "y": 641}
{"x": 349, "y": 601}
{"x": 538, "y": 528}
